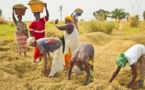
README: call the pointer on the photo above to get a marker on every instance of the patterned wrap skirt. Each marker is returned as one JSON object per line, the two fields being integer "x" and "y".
{"x": 21, "y": 42}
{"x": 141, "y": 68}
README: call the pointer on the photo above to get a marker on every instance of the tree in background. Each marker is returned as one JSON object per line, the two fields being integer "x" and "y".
{"x": 144, "y": 15}
{"x": 2, "y": 20}
{"x": 119, "y": 14}
{"x": 0, "y": 13}
{"x": 133, "y": 20}
{"x": 101, "y": 15}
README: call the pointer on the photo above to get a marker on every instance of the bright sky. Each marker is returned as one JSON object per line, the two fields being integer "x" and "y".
{"x": 89, "y": 6}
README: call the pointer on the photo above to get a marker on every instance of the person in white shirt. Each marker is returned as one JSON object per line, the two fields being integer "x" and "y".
{"x": 133, "y": 56}
{"x": 71, "y": 38}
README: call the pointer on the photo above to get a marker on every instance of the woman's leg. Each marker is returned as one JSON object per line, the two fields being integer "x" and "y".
{"x": 141, "y": 67}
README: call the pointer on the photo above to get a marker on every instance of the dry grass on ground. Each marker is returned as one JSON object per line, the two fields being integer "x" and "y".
{"x": 19, "y": 73}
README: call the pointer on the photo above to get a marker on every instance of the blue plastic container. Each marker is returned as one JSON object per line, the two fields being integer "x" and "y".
{"x": 78, "y": 14}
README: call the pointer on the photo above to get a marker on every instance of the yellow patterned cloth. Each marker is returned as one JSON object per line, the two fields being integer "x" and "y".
{"x": 69, "y": 18}
{"x": 90, "y": 62}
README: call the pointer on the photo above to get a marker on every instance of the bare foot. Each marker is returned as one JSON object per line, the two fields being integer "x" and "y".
{"x": 46, "y": 72}
{"x": 50, "y": 76}
{"x": 141, "y": 83}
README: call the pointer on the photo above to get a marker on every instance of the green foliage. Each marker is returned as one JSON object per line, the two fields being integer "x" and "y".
{"x": 84, "y": 27}
{"x": 133, "y": 21}
{"x": 7, "y": 30}
{"x": 12, "y": 25}
{"x": 123, "y": 28}
{"x": 94, "y": 26}
{"x": 129, "y": 30}
{"x": 0, "y": 13}
{"x": 101, "y": 15}
{"x": 141, "y": 25}
{"x": 119, "y": 14}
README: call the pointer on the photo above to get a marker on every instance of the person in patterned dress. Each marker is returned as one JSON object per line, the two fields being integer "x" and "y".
{"x": 21, "y": 34}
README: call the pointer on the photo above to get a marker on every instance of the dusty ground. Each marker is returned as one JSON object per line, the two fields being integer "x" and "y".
{"x": 20, "y": 73}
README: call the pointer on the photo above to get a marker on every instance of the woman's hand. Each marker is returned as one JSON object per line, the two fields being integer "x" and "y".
{"x": 56, "y": 21}
{"x": 45, "y": 4}
{"x": 46, "y": 72}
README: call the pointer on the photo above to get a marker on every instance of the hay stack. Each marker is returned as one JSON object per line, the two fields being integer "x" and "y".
{"x": 118, "y": 46}
{"x": 97, "y": 38}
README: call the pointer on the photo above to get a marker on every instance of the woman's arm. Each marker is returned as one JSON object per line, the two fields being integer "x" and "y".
{"x": 45, "y": 61}
{"x": 115, "y": 74}
{"x": 87, "y": 69}
{"x": 63, "y": 28}
{"x": 70, "y": 69}
{"x": 31, "y": 29}
{"x": 26, "y": 31}
{"x": 13, "y": 15}
{"x": 31, "y": 33}
{"x": 47, "y": 13}
{"x": 72, "y": 13}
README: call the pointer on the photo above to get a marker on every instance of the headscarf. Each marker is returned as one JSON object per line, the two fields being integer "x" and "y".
{"x": 121, "y": 60}
{"x": 69, "y": 18}
{"x": 30, "y": 40}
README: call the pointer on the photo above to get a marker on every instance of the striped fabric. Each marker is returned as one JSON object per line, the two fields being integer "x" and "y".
{"x": 21, "y": 42}
{"x": 38, "y": 31}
